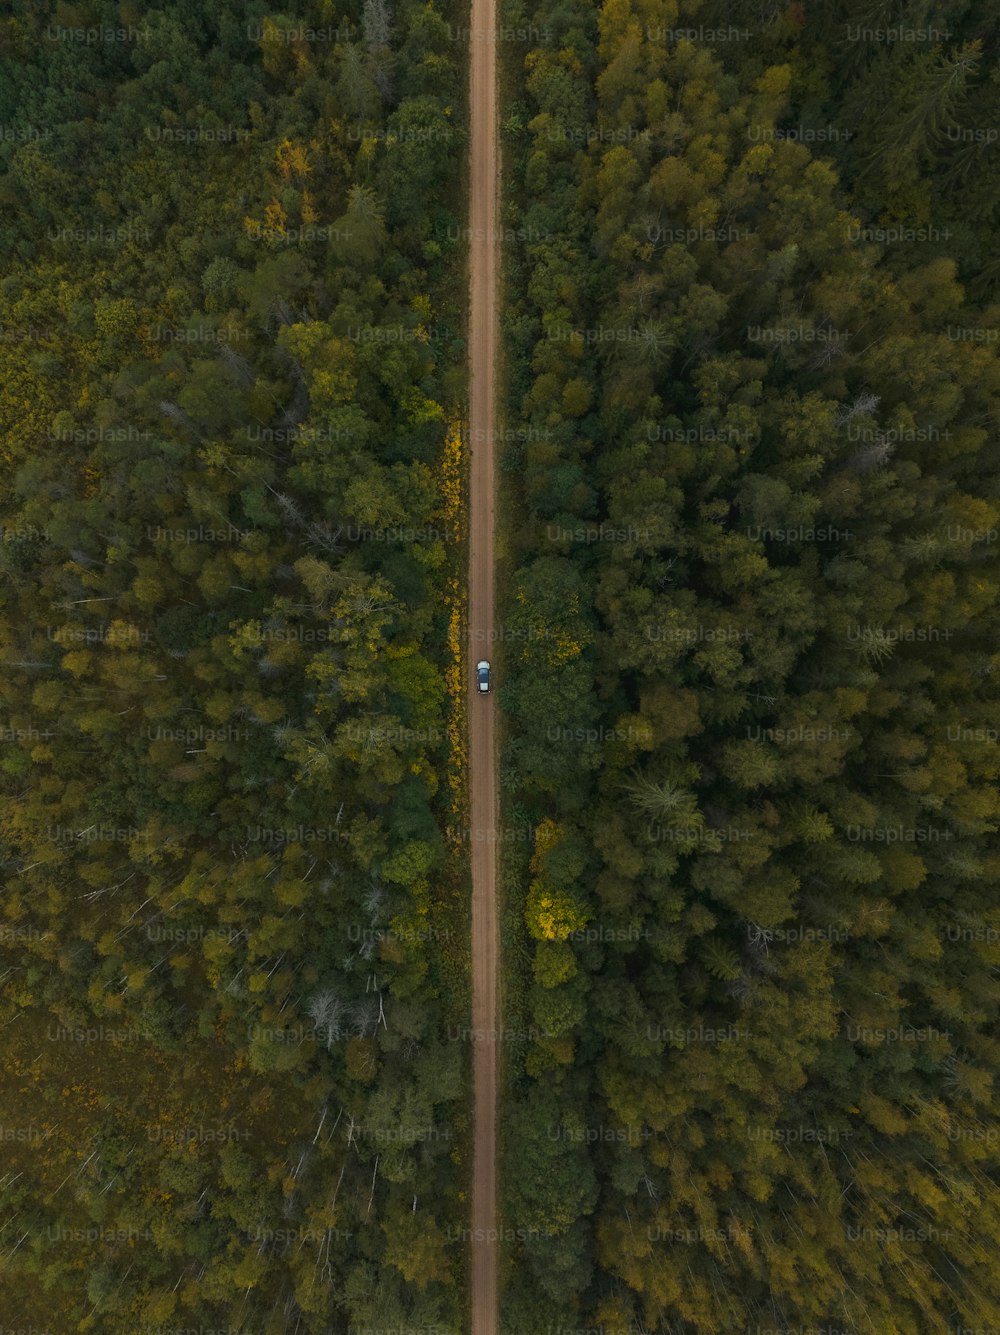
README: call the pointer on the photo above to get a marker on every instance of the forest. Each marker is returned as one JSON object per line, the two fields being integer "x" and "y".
{"x": 746, "y": 667}
{"x": 749, "y": 675}
{"x": 233, "y": 929}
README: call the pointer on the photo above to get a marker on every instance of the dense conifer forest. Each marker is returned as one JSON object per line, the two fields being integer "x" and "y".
{"x": 233, "y": 933}
{"x": 753, "y": 928}
{"x": 745, "y": 667}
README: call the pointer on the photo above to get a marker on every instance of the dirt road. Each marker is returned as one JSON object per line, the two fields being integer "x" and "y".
{"x": 483, "y": 262}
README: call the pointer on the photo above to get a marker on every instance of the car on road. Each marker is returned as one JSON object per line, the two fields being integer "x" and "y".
{"x": 483, "y": 676}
